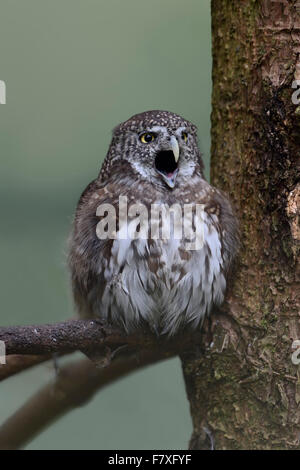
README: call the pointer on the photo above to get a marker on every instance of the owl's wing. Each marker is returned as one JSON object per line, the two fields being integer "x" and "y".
{"x": 205, "y": 269}
{"x": 219, "y": 217}
{"x": 88, "y": 254}
{"x": 228, "y": 226}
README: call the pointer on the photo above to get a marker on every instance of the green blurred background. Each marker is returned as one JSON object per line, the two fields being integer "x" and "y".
{"x": 73, "y": 70}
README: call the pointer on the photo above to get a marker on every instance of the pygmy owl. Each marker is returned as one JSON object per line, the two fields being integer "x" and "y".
{"x": 128, "y": 269}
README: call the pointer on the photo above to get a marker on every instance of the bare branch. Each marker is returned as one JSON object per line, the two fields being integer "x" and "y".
{"x": 60, "y": 337}
{"x": 29, "y": 345}
{"x": 75, "y": 385}
{"x": 82, "y": 335}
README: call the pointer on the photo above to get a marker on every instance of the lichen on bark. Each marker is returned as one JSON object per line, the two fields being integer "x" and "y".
{"x": 243, "y": 387}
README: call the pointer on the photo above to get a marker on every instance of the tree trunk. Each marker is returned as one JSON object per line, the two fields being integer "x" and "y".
{"x": 243, "y": 386}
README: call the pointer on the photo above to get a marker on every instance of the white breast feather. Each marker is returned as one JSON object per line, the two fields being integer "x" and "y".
{"x": 162, "y": 298}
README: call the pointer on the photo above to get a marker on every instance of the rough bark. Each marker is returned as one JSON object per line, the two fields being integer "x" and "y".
{"x": 243, "y": 387}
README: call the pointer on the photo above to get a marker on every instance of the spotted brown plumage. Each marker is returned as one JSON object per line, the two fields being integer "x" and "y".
{"x": 153, "y": 159}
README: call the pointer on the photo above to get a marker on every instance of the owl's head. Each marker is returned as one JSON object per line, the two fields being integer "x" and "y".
{"x": 160, "y": 146}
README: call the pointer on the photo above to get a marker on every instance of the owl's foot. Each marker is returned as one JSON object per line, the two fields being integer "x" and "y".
{"x": 104, "y": 357}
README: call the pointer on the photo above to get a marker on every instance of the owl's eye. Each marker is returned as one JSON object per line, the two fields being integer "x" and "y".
{"x": 184, "y": 136}
{"x": 147, "y": 137}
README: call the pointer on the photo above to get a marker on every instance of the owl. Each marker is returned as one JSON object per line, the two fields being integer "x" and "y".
{"x": 130, "y": 270}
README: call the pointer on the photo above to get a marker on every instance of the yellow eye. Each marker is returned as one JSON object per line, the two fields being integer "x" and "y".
{"x": 147, "y": 137}
{"x": 184, "y": 136}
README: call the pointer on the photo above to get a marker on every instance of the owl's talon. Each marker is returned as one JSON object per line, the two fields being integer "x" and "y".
{"x": 104, "y": 358}
{"x": 116, "y": 351}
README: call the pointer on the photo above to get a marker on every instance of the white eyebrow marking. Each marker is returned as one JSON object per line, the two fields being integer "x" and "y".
{"x": 180, "y": 129}
{"x": 162, "y": 129}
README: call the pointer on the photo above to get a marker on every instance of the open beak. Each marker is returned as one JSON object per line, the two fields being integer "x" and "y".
{"x": 166, "y": 163}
